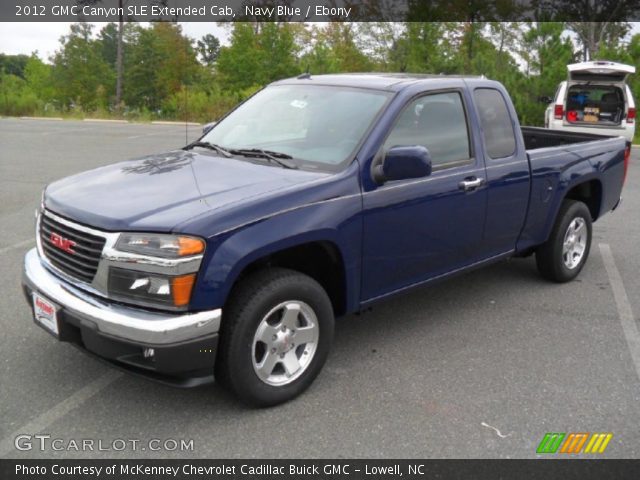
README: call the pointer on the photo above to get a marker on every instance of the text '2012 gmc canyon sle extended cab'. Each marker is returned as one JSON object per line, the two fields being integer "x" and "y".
{"x": 313, "y": 199}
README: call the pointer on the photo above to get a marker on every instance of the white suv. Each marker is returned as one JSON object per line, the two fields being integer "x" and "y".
{"x": 595, "y": 99}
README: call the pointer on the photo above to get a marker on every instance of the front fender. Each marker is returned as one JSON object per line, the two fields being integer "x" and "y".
{"x": 336, "y": 220}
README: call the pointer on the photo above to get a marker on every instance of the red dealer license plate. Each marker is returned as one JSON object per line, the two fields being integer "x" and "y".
{"x": 45, "y": 314}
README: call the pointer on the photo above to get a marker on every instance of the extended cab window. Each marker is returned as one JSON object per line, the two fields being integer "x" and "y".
{"x": 497, "y": 129}
{"x": 437, "y": 122}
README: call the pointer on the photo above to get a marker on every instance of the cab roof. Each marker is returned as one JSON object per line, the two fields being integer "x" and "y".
{"x": 378, "y": 81}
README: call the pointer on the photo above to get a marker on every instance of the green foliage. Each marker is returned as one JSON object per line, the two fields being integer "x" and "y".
{"x": 196, "y": 104}
{"x": 108, "y": 43}
{"x": 80, "y": 75}
{"x": 159, "y": 61}
{"x": 38, "y": 77}
{"x": 258, "y": 54}
{"x": 168, "y": 75}
{"x": 208, "y": 49}
{"x": 13, "y": 64}
{"x": 16, "y": 98}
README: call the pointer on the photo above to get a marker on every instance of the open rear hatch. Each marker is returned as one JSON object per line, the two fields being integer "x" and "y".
{"x": 600, "y": 71}
{"x": 596, "y": 93}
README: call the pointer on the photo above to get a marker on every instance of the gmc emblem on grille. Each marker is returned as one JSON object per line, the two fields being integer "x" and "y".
{"x": 62, "y": 243}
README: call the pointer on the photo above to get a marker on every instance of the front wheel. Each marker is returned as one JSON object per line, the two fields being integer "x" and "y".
{"x": 562, "y": 257}
{"x": 276, "y": 335}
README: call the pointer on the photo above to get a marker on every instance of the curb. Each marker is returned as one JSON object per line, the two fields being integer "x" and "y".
{"x": 109, "y": 120}
{"x": 104, "y": 120}
{"x": 58, "y": 119}
{"x": 163, "y": 122}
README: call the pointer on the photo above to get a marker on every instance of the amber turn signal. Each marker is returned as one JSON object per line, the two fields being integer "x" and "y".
{"x": 190, "y": 246}
{"x": 181, "y": 289}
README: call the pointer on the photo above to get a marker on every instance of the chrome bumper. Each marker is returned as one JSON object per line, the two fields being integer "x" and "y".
{"x": 126, "y": 323}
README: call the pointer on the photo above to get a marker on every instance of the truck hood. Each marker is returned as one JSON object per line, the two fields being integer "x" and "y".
{"x": 158, "y": 192}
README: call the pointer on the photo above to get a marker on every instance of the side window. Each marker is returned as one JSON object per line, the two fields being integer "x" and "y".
{"x": 437, "y": 122}
{"x": 499, "y": 138}
{"x": 557, "y": 98}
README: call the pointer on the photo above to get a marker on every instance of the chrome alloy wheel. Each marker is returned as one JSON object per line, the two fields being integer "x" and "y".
{"x": 575, "y": 243}
{"x": 285, "y": 343}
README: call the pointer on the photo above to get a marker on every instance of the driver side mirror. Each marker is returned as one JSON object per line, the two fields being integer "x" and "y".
{"x": 401, "y": 163}
{"x": 545, "y": 99}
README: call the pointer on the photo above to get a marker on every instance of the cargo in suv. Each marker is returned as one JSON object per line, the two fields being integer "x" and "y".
{"x": 594, "y": 99}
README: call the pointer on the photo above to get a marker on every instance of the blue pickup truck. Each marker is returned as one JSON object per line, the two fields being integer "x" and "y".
{"x": 316, "y": 198}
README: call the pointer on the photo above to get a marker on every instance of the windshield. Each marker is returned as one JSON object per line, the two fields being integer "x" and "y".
{"x": 318, "y": 126}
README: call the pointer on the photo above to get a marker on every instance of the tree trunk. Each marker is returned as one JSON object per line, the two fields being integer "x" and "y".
{"x": 119, "y": 55}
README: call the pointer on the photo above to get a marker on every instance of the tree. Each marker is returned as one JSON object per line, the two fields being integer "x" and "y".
{"x": 208, "y": 49}
{"x": 593, "y": 36}
{"x": 13, "y": 64}
{"x": 377, "y": 41}
{"x": 108, "y": 40}
{"x": 80, "y": 74}
{"x": 341, "y": 38}
{"x": 38, "y": 77}
{"x": 258, "y": 54}
{"x": 159, "y": 62}
{"x": 420, "y": 48}
{"x": 120, "y": 54}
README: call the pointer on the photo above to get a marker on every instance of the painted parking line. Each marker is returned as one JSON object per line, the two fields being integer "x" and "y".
{"x": 148, "y": 135}
{"x": 39, "y": 424}
{"x": 21, "y": 244}
{"x": 56, "y": 119}
{"x": 629, "y": 325}
{"x": 64, "y": 131}
{"x": 104, "y": 120}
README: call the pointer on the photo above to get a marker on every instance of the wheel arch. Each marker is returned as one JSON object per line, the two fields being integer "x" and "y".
{"x": 588, "y": 192}
{"x": 321, "y": 260}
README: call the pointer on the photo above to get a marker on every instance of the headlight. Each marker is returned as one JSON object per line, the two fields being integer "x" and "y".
{"x": 160, "y": 245}
{"x": 165, "y": 270}
{"x": 151, "y": 288}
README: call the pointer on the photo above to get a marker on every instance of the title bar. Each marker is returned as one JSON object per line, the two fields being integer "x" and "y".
{"x": 317, "y": 10}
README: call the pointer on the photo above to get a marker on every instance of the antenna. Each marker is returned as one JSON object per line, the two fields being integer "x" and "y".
{"x": 186, "y": 117}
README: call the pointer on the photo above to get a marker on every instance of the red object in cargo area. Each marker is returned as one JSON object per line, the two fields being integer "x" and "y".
{"x": 631, "y": 115}
{"x": 572, "y": 116}
{"x": 558, "y": 112}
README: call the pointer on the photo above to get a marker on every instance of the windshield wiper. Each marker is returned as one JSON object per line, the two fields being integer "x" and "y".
{"x": 275, "y": 157}
{"x": 210, "y": 146}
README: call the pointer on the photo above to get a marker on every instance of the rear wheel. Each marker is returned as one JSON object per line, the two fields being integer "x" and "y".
{"x": 276, "y": 336}
{"x": 564, "y": 254}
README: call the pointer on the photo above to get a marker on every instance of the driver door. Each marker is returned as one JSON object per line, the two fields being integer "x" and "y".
{"x": 418, "y": 229}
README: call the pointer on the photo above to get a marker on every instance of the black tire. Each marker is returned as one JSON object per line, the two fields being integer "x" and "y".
{"x": 549, "y": 256}
{"x": 248, "y": 305}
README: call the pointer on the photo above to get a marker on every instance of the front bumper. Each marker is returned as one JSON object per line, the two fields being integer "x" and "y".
{"x": 184, "y": 345}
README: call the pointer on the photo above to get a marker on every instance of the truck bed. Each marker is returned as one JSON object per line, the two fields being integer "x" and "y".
{"x": 535, "y": 137}
{"x": 555, "y": 157}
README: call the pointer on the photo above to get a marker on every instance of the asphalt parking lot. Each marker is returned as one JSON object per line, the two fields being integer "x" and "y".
{"x": 481, "y": 366}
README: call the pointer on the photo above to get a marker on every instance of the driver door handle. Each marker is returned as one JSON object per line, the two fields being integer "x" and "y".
{"x": 472, "y": 183}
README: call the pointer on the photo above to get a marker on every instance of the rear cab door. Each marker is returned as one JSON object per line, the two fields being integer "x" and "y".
{"x": 508, "y": 177}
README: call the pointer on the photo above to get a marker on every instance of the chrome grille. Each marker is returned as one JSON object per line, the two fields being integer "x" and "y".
{"x": 81, "y": 260}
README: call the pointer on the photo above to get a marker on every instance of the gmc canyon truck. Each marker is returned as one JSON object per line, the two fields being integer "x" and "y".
{"x": 317, "y": 197}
